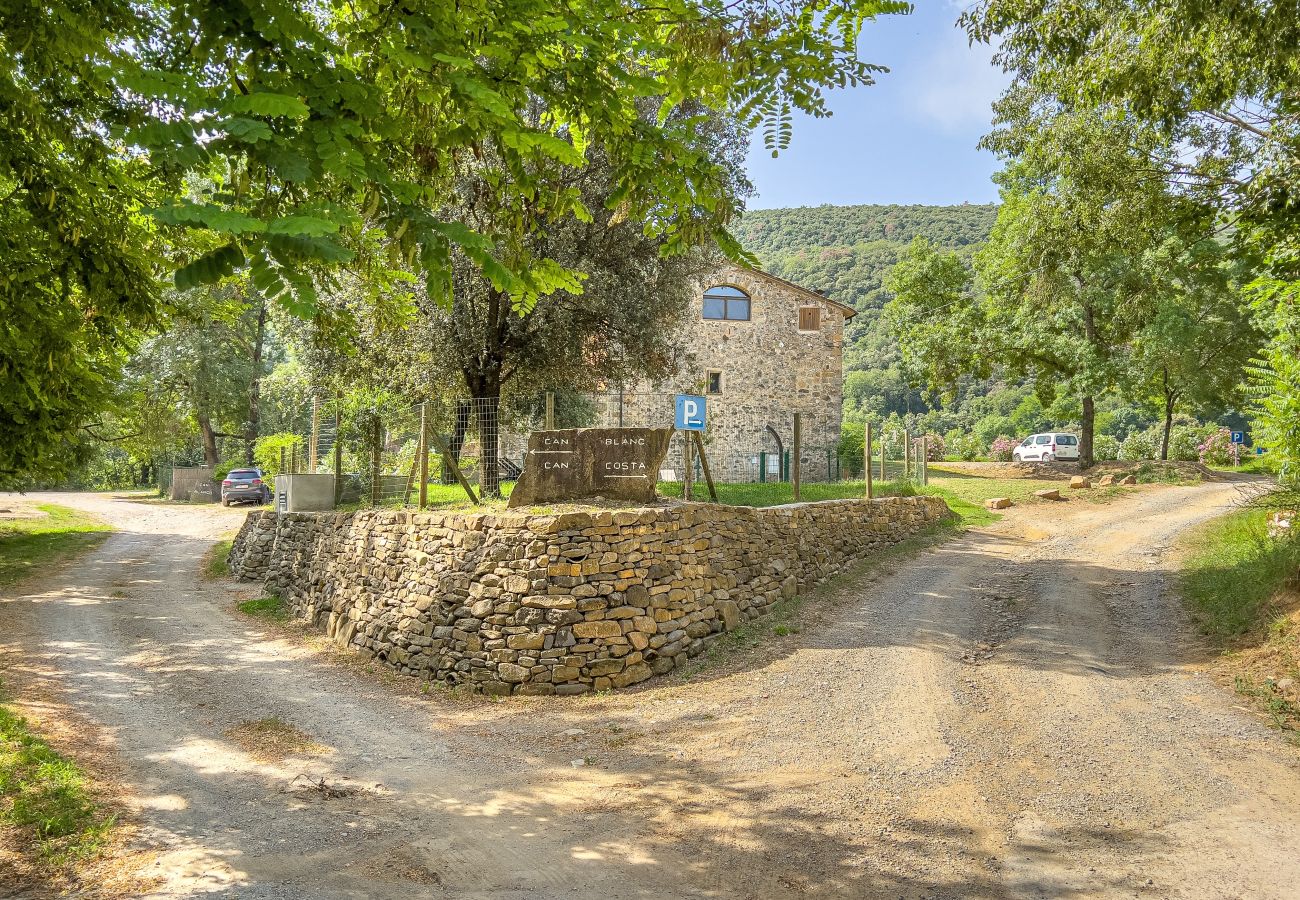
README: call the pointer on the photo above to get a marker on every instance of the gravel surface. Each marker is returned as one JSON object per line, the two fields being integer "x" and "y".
{"x": 1016, "y": 713}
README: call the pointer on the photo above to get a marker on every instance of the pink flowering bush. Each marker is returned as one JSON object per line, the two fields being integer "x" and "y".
{"x": 1000, "y": 449}
{"x": 1218, "y": 449}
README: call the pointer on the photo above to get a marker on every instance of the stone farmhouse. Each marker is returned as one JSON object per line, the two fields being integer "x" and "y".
{"x": 761, "y": 349}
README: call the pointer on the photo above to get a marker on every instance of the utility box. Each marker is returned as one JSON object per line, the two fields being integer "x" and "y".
{"x": 304, "y": 493}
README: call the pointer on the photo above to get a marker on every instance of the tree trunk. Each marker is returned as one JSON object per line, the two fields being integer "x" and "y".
{"x": 255, "y": 388}
{"x": 463, "y": 409}
{"x": 1087, "y": 426}
{"x": 209, "y": 438}
{"x": 490, "y": 439}
{"x": 1170, "y": 399}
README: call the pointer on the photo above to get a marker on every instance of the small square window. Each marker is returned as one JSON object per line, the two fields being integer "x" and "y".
{"x": 714, "y": 383}
{"x": 810, "y": 318}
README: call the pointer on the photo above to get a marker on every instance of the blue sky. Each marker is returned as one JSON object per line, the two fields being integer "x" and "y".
{"x": 909, "y": 138}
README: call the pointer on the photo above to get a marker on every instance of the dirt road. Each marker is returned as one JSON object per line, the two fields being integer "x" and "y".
{"x": 1013, "y": 714}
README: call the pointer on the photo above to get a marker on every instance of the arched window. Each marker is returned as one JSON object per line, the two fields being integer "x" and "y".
{"x": 726, "y": 302}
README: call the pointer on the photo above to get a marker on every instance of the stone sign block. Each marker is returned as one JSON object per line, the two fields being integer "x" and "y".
{"x": 578, "y": 463}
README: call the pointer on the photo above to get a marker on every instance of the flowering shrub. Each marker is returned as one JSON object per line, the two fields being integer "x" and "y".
{"x": 1185, "y": 443}
{"x": 1138, "y": 445}
{"x": 935, "y": 448}
{"x": 965, "y": 446}
{"x": 1000, "y": 450}
{"x": 1105, "y": 448}
{"x": 1219, "y": 450}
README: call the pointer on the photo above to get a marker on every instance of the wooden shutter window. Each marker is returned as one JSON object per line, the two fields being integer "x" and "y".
{"x": 810, "y": 318}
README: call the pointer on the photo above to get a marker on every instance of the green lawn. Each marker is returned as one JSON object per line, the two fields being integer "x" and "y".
{"x": 28, "y": 545}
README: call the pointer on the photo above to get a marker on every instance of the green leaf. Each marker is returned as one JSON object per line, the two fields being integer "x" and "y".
{"x": 266, "y": 103}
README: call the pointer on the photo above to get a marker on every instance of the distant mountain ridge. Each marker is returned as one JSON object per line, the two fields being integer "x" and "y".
{"x": 844, "y": 251}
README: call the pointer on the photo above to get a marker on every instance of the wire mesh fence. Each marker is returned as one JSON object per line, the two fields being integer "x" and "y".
{"x": 450, "y": 450}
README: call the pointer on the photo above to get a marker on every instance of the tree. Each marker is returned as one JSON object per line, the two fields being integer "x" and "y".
{"x": 1067, "y": 280}
{"x": 1219, "y": 81}
{"x": 212, "y": 360}
{"x": 326, "y": 134}
{"x": 616, "y": 323}
{"x": 1193, "y": 351}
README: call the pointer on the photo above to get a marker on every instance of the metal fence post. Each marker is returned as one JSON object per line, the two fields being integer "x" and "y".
{"x": 424, "y": 454}
{"x": 313, "y": 451}
{"x": 798, "y": 452}
{"x": 866, "y": 455}
{"x": 882, "y": 453}
{"x": 338, "y": 453}
{"x": 686, "y": 466}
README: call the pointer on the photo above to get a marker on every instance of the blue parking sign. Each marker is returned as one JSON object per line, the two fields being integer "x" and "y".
{"x": 1238, "y": 437}
{"x": 691, "y": 411}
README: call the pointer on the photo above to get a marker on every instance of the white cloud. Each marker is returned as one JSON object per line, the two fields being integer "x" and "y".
{"x": 956, "y": 85}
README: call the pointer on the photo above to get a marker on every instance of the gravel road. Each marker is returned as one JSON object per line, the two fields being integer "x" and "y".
{"x": 1016, "y": 713}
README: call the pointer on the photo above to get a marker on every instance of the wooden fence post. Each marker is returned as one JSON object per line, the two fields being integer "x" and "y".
{"x": 704, "y": 464}
{"x": 907, "y": 455}
{"x": 550, "y": 411}
{"x": 424, "y": 454}
{"x": 925, "y": 460}
{"x": 450, "y": 464}
{"x": 795, "y": 466}
{"x": 375, "y": 437}
{"x": 866, "y": 455}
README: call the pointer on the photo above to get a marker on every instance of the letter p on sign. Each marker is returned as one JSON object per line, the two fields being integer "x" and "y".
{"x": 691, "y": 412}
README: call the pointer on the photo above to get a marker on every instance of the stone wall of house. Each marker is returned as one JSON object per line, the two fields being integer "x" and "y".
{"x": 557, "y": 604}
{"x": 769, "y": 371}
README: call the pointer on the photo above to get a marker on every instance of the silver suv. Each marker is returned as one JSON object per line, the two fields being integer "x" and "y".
{"x": 244, "y": 484}
{"x": 1047, "y": 447}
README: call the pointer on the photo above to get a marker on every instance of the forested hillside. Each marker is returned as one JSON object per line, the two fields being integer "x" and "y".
{"x": 845, "y": 251}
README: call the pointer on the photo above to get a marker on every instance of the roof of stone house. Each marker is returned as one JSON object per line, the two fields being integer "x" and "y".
{"x": 849, "y": 312}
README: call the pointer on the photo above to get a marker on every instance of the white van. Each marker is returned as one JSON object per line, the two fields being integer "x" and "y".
{"x": 1047, "y": 447}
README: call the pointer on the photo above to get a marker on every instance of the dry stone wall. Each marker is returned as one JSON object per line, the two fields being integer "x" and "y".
{"x": 557, "y": 604}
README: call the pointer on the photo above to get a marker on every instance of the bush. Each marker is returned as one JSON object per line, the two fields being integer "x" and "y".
{"x": 1105, "y": 448}
{"x": 1000, "y": 450}
{"x": 935, "y": 448}
{"x": 850, "y": 450}
{"x": 1138, "y": 445}
{"x": 965, "y": 446}
{"x": 1217, "y": 449}
{"x": 1185, "y": 443}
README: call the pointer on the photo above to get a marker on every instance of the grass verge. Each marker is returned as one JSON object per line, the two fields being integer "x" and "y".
{"x": 1242, "y": 589}
{"x": 1234, "y": 571}
{"x": 46, "y": 799}
{"x": 29, "y": 544}
{"x": 271, "y": 608}
{"x": 214, "y": 563}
